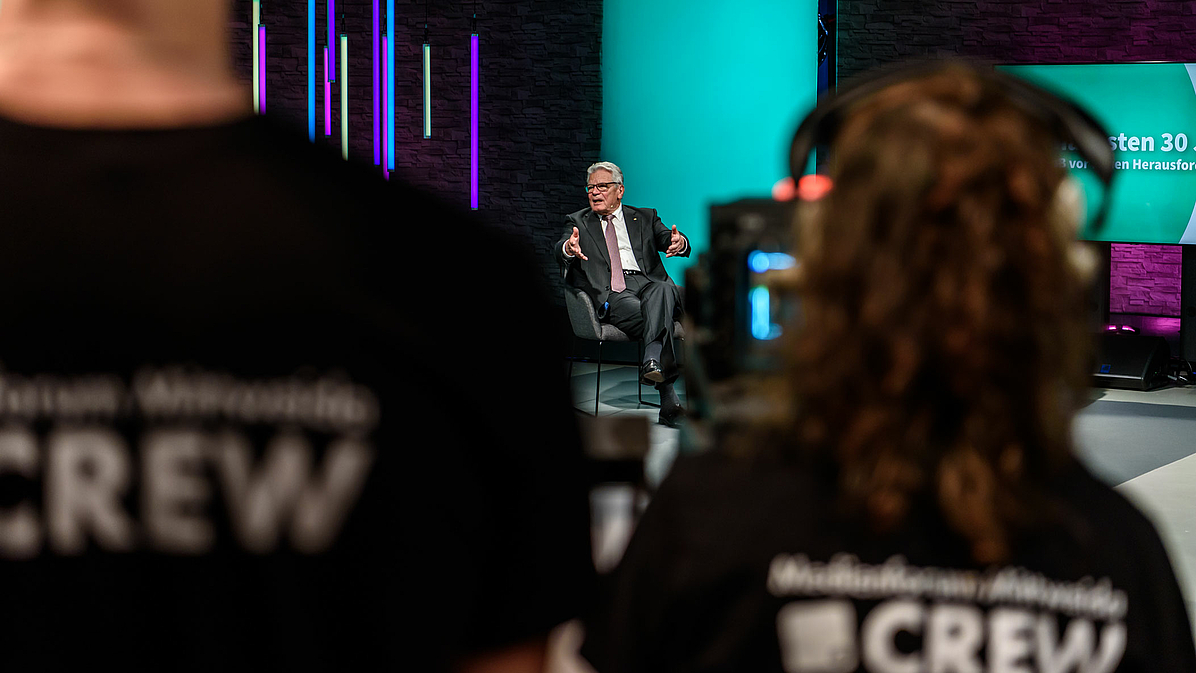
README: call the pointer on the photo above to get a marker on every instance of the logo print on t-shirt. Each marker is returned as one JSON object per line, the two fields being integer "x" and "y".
{"x": 145, "y": 465}
{"x": 912, "y": 619}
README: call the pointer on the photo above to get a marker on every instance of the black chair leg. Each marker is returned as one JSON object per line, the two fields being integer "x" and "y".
{"x": 569, "y": 378}
{"x": 598, "y": 380}
{"x": 639, "y": 385}
{"x": 572, "y": 355}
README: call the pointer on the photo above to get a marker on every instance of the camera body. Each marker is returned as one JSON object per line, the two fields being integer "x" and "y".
{"x": 735, "y": 318}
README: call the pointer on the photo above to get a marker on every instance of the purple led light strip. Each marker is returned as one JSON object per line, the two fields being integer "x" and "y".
{"x": 331, "y": 76}
{"x": 261, "y": 69}
{"x": 385, "y": 52}
{"x": 377, "y": 121}
{"x": 327, "y": 98}
{"x": 473, "y": 121}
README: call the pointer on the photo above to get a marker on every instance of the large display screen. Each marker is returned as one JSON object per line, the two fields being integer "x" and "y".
{"x": 1149, "y": 111}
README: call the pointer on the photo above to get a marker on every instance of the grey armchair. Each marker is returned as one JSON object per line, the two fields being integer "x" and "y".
{"x": 587, "y": 326}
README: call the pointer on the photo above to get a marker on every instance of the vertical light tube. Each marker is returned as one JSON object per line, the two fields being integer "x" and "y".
{"x": 332, "y": 39}
{"x": 473, "y": 121}
{"x": 257, "y": 20}
{"x": 385, "y": 92}
{"x": 327, "y": 97}
{"x": 377, "y": 119}
{"x": 261, "y": 68}
{"x": 427, "y": 90}
{"x": 390, "y": 87}
{"x": 345, "y": 96}
{"x": 311, "y": 70}
{"x": 761, "y": 319}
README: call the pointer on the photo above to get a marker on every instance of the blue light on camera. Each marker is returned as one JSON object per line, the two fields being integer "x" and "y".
{"x": 763, "y": 328}
{"x": 759, "y": 300}
{"x": 760, "y": 262}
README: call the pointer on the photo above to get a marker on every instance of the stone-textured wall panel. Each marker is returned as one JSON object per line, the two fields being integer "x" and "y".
{"x": 1145, "y": 279}
{"x": 540, "y": 88}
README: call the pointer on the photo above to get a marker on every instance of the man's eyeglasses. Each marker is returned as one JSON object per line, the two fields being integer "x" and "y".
{"x": 601, "y": 186}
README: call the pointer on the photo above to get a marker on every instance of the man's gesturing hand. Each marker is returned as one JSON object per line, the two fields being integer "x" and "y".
{"x": 676, "y": 243}
{"x": 573, "y": 247}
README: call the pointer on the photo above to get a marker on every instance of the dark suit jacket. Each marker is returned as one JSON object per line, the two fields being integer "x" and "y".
{"x": 649, "y": 237}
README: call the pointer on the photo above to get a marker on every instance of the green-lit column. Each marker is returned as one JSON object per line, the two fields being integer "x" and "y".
{"x": 253, "y": 38}
{"x": 700, "y": 101}
{"x": 344, "y": 95}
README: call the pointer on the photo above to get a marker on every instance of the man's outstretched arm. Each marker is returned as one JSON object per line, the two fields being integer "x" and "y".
{"x": 568, "y": 248}
{"x": 668, "y": 240}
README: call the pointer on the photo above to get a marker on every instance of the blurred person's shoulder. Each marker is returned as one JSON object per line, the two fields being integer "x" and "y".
{"x": 769, "y": 502}
{"x": 1107, "y": 518}
{"x": 256, "y": 169}
{"x": 762, "y": 501}
{"x": 719, "y": 473}
{"x": 255, "y": 200}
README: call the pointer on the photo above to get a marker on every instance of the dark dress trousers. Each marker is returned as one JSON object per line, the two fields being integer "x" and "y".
{"x": 646, "y": 309}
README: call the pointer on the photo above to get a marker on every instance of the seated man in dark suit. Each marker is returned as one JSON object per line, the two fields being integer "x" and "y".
{"x": 612, "y": 252}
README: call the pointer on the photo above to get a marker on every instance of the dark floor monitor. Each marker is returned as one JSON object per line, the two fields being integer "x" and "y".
{"x": 1131, "y": 361}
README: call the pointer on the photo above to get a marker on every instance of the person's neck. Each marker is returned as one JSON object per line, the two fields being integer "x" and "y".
{"x": 84, "y": 72}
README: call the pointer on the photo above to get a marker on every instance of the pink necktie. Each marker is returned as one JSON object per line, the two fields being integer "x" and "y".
{"x": 617, "y": 284}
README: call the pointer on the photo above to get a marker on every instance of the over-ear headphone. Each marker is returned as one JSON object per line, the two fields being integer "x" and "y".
{"x": 1069, "y": 122}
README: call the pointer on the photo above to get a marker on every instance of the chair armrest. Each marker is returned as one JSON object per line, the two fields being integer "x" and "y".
{"x": 581, "y": 315}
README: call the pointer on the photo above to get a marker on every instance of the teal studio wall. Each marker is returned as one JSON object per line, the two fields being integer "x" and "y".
{"x": 700, "y": 101}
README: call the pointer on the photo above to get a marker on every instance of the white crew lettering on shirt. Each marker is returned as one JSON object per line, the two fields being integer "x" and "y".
{"x": 174, "y": 492}
{"x": 1072, "y": 653}
{"x": 1112, "y": 648}
{"x": 321, "y": 511}
{"x": 954, "y": 636}
{"x": 879, "y": 634}
{"x": 87, "y": 473}
{"x": 20, "y": 532}
{"x": 1010, "y": 639}
{"x": 818, "y": 636}
{"x": 282, "y": 488}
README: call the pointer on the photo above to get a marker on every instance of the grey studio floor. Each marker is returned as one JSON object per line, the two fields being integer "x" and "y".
{"x": 1142, "y": 443}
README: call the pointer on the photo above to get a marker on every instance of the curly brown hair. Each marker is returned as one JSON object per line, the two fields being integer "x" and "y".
{"x": 943, "y": 345}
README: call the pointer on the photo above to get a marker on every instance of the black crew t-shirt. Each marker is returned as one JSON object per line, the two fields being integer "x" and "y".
{"x": 743, "y": 564}
{"x": 244, "y": 422}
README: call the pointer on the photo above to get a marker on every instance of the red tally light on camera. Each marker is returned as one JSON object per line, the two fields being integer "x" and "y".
{"x": 813, "y": 187}
{"x": 784, "y": 190}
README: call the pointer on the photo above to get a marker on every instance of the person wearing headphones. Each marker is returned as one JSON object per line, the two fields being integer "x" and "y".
{"x": 914, "y": 503}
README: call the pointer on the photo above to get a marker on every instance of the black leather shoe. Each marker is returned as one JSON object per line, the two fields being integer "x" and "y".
{"x": 670, "y": 414}
{"x": 651, "y": 373}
